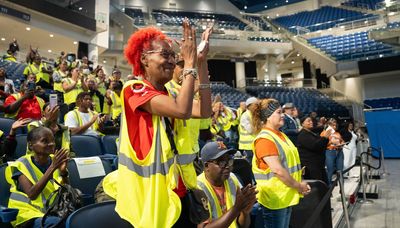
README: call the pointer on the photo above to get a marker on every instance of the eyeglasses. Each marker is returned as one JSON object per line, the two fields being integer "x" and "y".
{"x": 224, "y": 163}
{"x": 164, "y": 53}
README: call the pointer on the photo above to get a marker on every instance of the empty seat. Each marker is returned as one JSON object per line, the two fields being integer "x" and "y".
{"x": 86, "y": 145}
{"x": 100, "y": 215}
{"x": 110, "y": 144}
{"x": 21, "y": 146}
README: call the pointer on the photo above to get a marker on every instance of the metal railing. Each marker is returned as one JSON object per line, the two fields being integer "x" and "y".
{"x": 355, "y": 24}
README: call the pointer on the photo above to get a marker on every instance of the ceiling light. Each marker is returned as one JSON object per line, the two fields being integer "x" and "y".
{"x": 381, "y": 55}
{"x": 245, "y": 7}
{"x": 49, "y": 51}
{"x": 292, "y": 62}
{"x": 28, "y": 29}
{"x": 3, "y": 39}
{"x": 80, "y": 8}
{"x": 265, "y": 6}
{"x": 277, "y": 14}
{"x": 287, "y": 1}
{"x": 298, "y": 54}
{"x": 104, "y": 61}
{"x": 51, "y": 35}
{"x": 75, "y": 42}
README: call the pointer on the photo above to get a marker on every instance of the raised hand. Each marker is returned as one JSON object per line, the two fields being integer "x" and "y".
{"x": 245, "y": 198}
{"x": 51, "y": 114}
{"x": 20, "y": 123}
{"x": 60, "y": 160}
{"x": 203, "y": 48}
{"x": 188, "y": 45}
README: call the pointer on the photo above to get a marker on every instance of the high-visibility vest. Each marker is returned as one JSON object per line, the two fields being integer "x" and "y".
{"x": 31, "y": 68}
{"x": 65, "y": 141}
{"x": 96, "y": 101}
{"x": 145, "y": 195}
{"x": 225, "y": 121}
{"x": 116, "y": 105}
{"x": 245, "y": 138}
{"x": 186, "y": 139}
{"x": 80, "y": 121}
{"x": 273, "y": 193}
{"x": 29, "y": 209}
{"x": 57, "y": 86}
{"x": 101, "y": 87}
{"x": 110, "y": 184}
{"x": 230, "y": 185}
{"x": 70, "y": 97}
{"x": 10, "y": 58}
{"x": 18, "y": 96}
{"x": 205, "y": 123}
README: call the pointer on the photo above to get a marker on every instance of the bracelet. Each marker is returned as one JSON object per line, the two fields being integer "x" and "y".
{"x": 205, "y": 86}
{"x": 191, "y": 71}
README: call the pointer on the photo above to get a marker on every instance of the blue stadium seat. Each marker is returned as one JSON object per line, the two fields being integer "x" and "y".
{"x": 4, "y": 186}
{"x": 86, "y": 185}
{"x": 101, "y": 215}
{"x": 109, "y": 144}
{"x": 5, "y": 125}
{"x": 86, "y": 146}
{"x": 21, "y": 146}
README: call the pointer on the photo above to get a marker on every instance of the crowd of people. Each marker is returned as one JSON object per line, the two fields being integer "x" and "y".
{"x": 172, "y": 138}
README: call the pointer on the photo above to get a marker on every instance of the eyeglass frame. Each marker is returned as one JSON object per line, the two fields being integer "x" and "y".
{"x": 229, "y": 163}
{"x": 162, "y": 52}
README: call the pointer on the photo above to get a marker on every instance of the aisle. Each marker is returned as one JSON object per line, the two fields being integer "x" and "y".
{"x": 385, "y": 211}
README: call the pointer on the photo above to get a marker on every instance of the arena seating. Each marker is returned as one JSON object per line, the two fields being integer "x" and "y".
{"x": 259, "y": 22}
{"x": 265, "y": 39}
{"x": 4, "y": 186}
{"x": 393, "y": 102}
{"x": 109, "y": 144}
{"x": 230, "y": 96}
{"x": 14, "y": 71}
{"x": 305, "y": 99}
{"x": 320, "y": 19}
{"x": 135, "y": 14}
{"x": 86, "y": 145}
{"x": 389, "y": 26}
{"x": 365, "y": 4}
{"x": 351, "y": 46}
{"x": 175, "y": 18}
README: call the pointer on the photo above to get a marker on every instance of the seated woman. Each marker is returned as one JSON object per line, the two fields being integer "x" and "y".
{"x": 32, "y": 178}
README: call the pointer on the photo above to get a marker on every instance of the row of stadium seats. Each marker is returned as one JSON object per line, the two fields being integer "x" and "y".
{"x": 14, "y": 71}
{"x": 259, "y": 22}
{"x": 320, "y": 19}
{"x": 389, "y": 26}
{"x": 265, "y": 39}
{"x": 351, "y": 46}
{"x": 175, "y": 18}
{"x": 364, "y": 4}
{"x": 230, "y": 96}
{"x": 393, "y": 102}
{"x": 136, "y": 15}
{"x": 305, "y": 99}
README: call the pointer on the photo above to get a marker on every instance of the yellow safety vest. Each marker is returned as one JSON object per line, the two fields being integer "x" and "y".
{"x": 230, "y": 185}
{"x": 245, "y": 138}
{"x": 110, "y": 184}
{"x": 18, "y": 96}
{"x": 145, "y": 195}
{"x": 29, "y": 209}
{"x": 31, "y": 68}
{"x": 66, "y": 139}
{"x": 70, "y": 97}
{"x": 80, "y": 122}
{"x": 101, "y": 87}
{"x": 10, "y": 58}
{"x": 57, "y": 86}
{"x": 273, "y": 193}
{"x": 96, "y": 101}
{"x": 116, "y": 105}
{"x": 225, "y": 122}
{"x": 186, "y": 139}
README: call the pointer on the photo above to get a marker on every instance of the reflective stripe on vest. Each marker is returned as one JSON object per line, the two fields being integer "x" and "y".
{"x": 116, "y": 105}
{"x": 213, "y": 202}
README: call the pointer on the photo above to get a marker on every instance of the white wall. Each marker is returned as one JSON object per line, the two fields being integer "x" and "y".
{"x": 352, "y": 88}
{"x": 379, "y": 87}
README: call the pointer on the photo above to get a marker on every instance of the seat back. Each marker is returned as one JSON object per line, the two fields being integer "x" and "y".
{"x": 4, "y": 186}
{"x": 5, "y": 125}
{"x": 242, "y": 169}
{"x": 86, "y": 185}
{"x": 86, "y": 145}
{"x": 20, "y": 150}
{"x": 303, "y": 211}
{"x": 100, "y": 215}
{"x": 109, "y": 144}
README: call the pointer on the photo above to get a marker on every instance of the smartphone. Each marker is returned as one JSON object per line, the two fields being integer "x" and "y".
{"x": 31, "y": 85}
{"x": 53, "y": 100}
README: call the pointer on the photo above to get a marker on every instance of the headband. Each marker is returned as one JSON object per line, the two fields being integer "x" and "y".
{"x": 271, "y": 108}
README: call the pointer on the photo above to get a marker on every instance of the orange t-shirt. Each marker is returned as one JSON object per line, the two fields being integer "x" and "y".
{"x": 265, "y": 148}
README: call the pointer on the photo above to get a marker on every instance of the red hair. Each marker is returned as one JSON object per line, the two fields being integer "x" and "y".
{"x": 138, "y": 42}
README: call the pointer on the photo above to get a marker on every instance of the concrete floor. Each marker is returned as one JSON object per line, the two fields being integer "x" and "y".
{"x": 385, "y": 211}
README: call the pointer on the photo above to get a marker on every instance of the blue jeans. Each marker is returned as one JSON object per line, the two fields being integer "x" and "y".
{"x": 279, "y": 218}
{"x": 50, "y": 221}
{"x": 333, "y": 162}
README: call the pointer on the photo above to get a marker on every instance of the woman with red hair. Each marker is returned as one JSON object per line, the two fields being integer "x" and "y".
{"x": 152, "y": 177}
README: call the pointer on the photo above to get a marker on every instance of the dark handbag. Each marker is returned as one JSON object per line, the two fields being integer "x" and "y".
{"x": 196, "y": 202}
{"x": 66, "y": 200}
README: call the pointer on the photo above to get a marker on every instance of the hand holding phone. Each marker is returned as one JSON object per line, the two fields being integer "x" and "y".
{"x": 53, "y": 100}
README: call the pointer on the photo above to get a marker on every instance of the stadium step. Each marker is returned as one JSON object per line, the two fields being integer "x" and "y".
{"x": 371, "y": 191}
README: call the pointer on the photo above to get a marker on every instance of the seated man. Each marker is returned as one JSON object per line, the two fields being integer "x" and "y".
{"x": 24, "y": 104}
{"x": 229, "y": 205}
{"x": 81, "y": 120}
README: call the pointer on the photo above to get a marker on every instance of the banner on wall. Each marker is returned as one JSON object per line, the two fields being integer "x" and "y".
{"x": 384, "y": 131}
